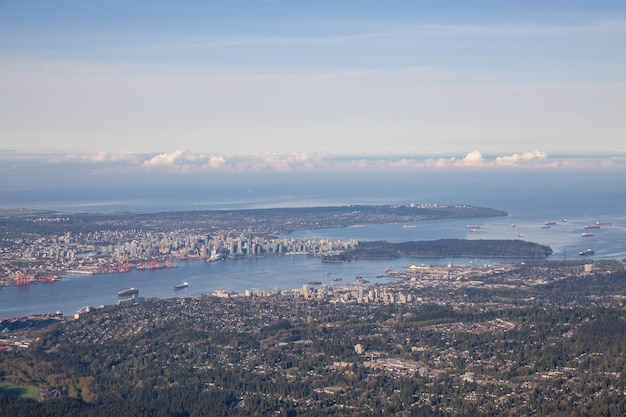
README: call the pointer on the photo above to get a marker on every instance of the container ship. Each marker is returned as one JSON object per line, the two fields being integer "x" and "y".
{"x": 130, "y": 291}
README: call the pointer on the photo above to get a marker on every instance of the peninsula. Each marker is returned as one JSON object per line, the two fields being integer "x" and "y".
{"x": 443, "y": 248}
{"x": 40, "y": 245}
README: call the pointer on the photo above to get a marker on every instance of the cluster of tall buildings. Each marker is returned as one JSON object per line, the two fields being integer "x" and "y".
{"x": 113, "y": 251}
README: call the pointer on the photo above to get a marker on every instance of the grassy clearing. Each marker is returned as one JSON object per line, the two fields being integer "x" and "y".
{"x": 28, "y": 392}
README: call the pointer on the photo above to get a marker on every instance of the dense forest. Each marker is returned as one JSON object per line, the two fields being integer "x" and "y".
{"x": 444, "y": 248}
{"x": 555, "y": 349}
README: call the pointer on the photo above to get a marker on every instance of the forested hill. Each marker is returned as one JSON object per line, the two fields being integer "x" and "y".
{"x": 445, "y": 248}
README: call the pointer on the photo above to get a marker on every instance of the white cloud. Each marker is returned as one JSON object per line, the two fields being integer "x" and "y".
{"x": 597, "y": 27}
{"x": 473, "y": 159}
{"x": 281, "y": 161}
{"x": 186, "y": 162}
{"x": 516, "y": 159}
{"x": 476, "y": 160}
{"x": 215, "y": 162}
{"x": 165, "y": 159}
{"x": 103, "y": 157}
{"x": 99, "y": 158}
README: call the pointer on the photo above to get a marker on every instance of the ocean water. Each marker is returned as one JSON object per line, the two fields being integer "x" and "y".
{"x": 529, "y": 198}
{"x": 553, "y": 193}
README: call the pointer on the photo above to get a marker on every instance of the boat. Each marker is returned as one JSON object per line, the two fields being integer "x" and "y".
{"x": 546, "y": 226}
{"x": 48, "y": 278}
{"x": 408, "y": 226}
{"x": 361, "y": 280}
{"x": 595, "y": 226}
{"x": 130, "y": 291}
{"x": 587, "y": 234}
{"x": 586, "y": 252}
{"x": 337, "y": 279}
{"x": 315, "y": 282}
{"x": 181, "y": 286}
{"x": 473, "y": 226}
{"x": 521, "y": 235}
{"x": 550, "y": 223}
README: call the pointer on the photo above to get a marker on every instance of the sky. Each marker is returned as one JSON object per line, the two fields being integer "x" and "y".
{"x": 279, "y": 85}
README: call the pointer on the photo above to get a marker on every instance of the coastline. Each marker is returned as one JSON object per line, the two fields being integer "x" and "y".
{"x": 82, "y": 243}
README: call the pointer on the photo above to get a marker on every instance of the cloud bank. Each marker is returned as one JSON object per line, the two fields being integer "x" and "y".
{"x": 185, "y": 162}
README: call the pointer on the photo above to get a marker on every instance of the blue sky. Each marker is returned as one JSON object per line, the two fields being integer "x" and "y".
{"x": 189, "y": 86}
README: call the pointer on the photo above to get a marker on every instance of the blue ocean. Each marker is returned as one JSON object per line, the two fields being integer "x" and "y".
{"x": 548, "y": 193}
{"x": 570, "y": 200}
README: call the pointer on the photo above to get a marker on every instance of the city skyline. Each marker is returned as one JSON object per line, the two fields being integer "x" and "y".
{"x": 257, "y": 86}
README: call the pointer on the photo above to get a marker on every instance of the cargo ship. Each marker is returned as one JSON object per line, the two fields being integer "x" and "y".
{"x": 604, "y": 224}
{"x": 409, "y": 226}
{"x": 586, "y": 252}
{"x": 595, "y": 226}
{"x": 181, "y": 286}
{"x": 130, "y": 291}
{"x": 587, "y": 234}
{"x": 315, "y": 282}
